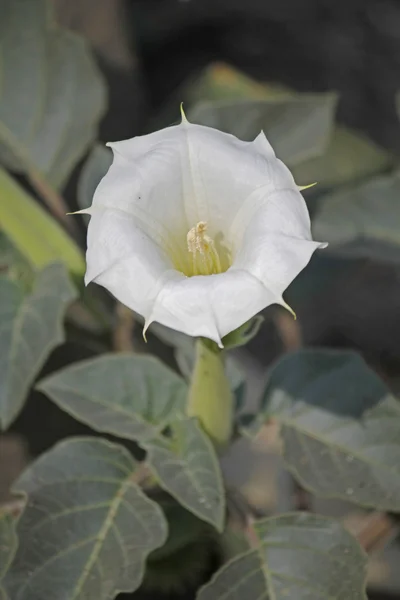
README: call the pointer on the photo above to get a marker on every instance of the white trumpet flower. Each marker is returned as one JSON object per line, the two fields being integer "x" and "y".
{"x": 196, "y": 229}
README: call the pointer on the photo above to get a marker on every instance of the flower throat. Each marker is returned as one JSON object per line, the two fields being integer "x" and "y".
{"x": 205, "y": 259}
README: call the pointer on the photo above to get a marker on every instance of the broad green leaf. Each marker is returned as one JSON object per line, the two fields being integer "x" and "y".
{"x": 362, "y": 220}
{"x": 87, "y": 528}
{"x": 8, "y": 541}
{"x": 8, "y": 546}
{"x": 52, "y": 95}
{"x": 220, "y": 81}
{"x": 347, "y": 157}
{"x": 187, "y": 467}
{"x": 93, "y": 171}
{"x": 297, "y": 125}
{"x": 130, "y": 396}
{"x": 36, "y": 235}
{"x": 30, "y": 327}
{"x": 14, "y": 264}
{"x": 294, "y": 557}
{"x": 217, "y": 82}
{"x": 339, "y": 426}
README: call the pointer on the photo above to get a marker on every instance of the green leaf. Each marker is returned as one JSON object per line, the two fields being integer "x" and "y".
{"x": 8, "y": 546}
{"x": 93, "y": 171}
{"x": 130, "y": 396}
{"x": 294, "y": 557}
{"x": 30, "y": 327}
{"x": 187, "y": 467}
{"x": 347, "y": 157}
{"x": 52, "y": 95}
{"x": 220, "y": 81}
{"x": 8, "y": 541}
{"x": 35, "y": 234}
{"x": 339, "y": 426}
{"x": 297, "y": 125}
{"x": 362, "y": 220}
{"x": 87, "y": 528}
{"x": 14, "y": 264}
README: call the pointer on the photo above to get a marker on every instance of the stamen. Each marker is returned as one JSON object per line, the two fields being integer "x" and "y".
{"x": 205, "y": 258}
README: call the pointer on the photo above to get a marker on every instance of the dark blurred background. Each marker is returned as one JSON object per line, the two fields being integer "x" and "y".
{"x": 310, "y": 45}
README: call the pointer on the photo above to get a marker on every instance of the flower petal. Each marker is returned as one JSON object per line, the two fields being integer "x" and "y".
{"x": 137, "y": 272}
{"x": 223, "y": 171}
{"x": 189, "y": 173}
{"x": 211, "y": 306}
{"x": 276, "y": 241}
{"x": 125, "y": 260}
{"x": 147, "y": 187}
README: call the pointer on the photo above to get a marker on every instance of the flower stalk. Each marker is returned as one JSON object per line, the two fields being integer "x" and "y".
{"x": 210, "y": 396}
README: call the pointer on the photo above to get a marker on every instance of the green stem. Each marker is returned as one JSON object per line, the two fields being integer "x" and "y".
{"x": 210, "y": 395}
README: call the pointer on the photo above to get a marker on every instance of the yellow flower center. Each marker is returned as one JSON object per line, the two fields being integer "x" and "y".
{"x": 205, "y": 258}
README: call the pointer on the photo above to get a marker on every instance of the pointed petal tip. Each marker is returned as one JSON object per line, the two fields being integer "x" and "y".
{"x": 83, "y": 211}
{"x": 262, "y": 144}
{"x": 289, "y": 308}
{"x": 183, "y": 115}
{"x": 114, "y": 147}
{"x": 216, "y": 338}
{"x": 145, "y": 328}
{"x": 306, "y": 187}
{"x": 213, "y": 338}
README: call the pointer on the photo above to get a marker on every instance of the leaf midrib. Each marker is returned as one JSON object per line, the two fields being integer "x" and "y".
{"x": 100, "y": 537}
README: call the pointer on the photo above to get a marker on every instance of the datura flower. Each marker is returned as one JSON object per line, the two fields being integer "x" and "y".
{"x": 196, "y": 229}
